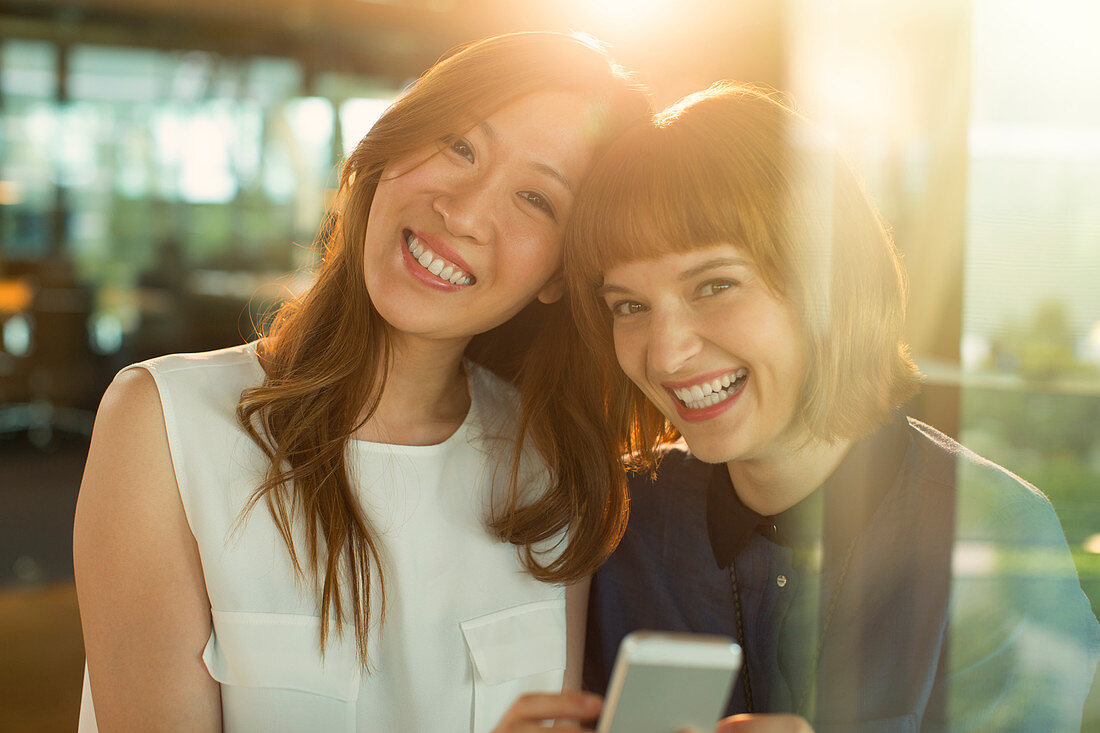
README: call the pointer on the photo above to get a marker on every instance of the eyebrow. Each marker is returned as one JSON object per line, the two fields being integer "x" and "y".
{"x": 544, "y": 168}
{"x": 712, "y": 264}
{"x": 688, "y": 274}
{"x": 605, "y": 290}
{"x": 555, "y": 174}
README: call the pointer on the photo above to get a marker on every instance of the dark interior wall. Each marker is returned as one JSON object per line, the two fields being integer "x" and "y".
{"x": 677, "y": 48}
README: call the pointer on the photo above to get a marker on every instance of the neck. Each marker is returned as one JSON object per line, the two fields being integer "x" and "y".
{"x": 425, "y": 398}
{"x": 772, "y": 484}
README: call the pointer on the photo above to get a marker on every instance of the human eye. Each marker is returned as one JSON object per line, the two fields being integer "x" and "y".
{"x": 461, "y": 147}
{"x": 625, "y": 308}
{"x": 715, "y": 287}
{"x": 540, "y": 202}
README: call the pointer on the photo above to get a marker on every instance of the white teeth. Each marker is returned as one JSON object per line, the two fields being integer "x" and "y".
{"x": 436, "y": 264}
{"x": 698, "y": 396}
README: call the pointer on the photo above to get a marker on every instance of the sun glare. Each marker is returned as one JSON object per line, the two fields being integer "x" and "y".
{"x": 621, "y": 16}
{"x": 1092, "y": 544}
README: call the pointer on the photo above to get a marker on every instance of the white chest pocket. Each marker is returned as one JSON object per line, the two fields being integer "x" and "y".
{"x": 514, "y": 651}
{"x": 273, "y": 677}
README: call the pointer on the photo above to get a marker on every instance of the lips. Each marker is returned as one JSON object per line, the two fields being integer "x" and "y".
{"x": 703, "y": 399}
{"x": 711, "y": 392}
{"x": 437, "y": 260}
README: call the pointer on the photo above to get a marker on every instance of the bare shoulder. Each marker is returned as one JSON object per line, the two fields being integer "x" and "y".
{"x": 132, "y": 396}
{"x": 128, "y": 510}
{"x": 129, "y": 459}
{"x": 139, "y": 579}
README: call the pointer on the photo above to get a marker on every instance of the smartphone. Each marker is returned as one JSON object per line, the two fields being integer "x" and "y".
{"x": 663, "y": 683}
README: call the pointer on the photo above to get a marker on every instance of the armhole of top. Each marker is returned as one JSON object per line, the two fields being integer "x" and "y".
{"x": 168, "y": 417}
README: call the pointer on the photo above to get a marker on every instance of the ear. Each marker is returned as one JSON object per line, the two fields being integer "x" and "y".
{"x": 553, "y": 290}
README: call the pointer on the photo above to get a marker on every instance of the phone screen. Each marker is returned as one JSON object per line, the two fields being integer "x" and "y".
{"x": 661, "y": 698}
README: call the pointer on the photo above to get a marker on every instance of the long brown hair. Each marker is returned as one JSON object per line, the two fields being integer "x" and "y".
{"x": 735, "y": 164}
{"x": 327, "y": 354}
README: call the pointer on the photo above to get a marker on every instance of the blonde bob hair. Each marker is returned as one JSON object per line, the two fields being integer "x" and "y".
{"x": 734, "y": 164}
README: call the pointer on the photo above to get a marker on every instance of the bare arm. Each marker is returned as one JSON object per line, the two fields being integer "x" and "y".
{"x": 576, "y": 623}
{"x": 143, "y": 604}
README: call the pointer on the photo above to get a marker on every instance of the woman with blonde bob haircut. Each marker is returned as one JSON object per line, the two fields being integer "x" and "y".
{"x": 367, "y": 519}
{"x": 740, "y": 292}
{"x": 840, "y": 271}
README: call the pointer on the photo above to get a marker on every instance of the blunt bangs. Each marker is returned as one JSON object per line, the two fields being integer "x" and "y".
{"x": 735, "y": 164}
{"x": 657, "y": 192}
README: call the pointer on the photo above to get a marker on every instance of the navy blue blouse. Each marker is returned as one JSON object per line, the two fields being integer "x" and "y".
{"x": 920, "y": 588}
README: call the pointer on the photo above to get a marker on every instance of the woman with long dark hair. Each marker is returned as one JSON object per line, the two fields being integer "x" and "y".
{"x": 366, "y": 520}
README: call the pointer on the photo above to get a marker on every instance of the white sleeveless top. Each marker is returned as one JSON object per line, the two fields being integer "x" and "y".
{"x": 466, "y": 629}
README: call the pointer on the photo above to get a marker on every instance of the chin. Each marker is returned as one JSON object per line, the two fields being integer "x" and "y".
{"x": 709, "y": 451}
{"x": 709, "y": 454}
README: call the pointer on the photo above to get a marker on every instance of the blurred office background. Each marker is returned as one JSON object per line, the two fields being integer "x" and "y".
{"x": 164, "y": 167}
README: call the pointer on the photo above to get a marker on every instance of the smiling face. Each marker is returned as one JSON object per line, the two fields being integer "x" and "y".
{"x": 709, "y": 343}
{"x": 466, "y": 232}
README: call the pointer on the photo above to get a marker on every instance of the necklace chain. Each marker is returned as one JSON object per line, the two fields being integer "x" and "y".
{"x": 741, "y": 640}
{"x": 815, "y": 661}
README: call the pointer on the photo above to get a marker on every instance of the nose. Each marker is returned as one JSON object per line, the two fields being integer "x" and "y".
{"x": 467, "y": 210}
{"x": 674, "y": 341}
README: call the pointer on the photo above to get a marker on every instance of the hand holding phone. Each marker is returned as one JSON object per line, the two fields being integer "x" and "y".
{"x": 662, "y": 683}
{"x": 531, "y": 711}
{"x": 764, "y": 723}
